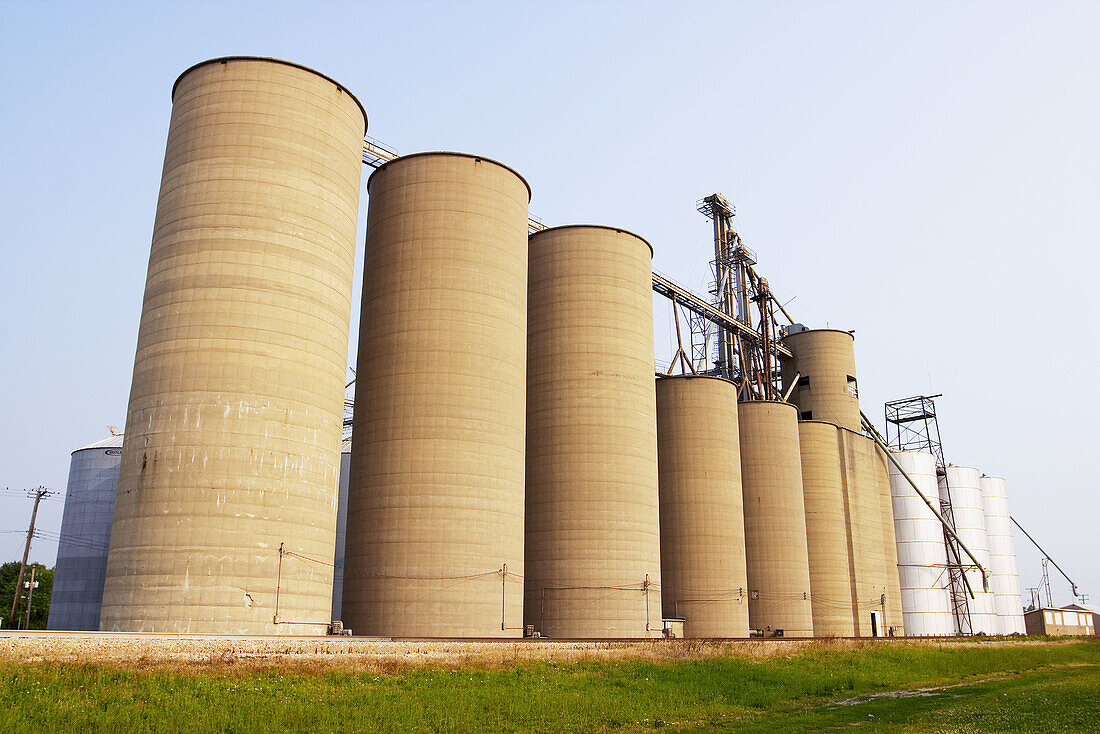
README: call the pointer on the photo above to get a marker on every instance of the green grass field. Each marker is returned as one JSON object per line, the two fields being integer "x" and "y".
{"x": 995, "y": 687}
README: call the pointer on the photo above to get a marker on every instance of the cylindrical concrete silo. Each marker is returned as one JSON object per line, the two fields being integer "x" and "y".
{"x": 922, "y": 556}
{"x": 341, "y": 530}
{"x": 435, "y": 509}
{"x": 870, "y": 579}
{"x": 85, "y": 536}
{"x": 880, "y": 474}
{"x": 1005, "y": 579}
{"x": 963, "y": 487}
{"x": 827, "y": 388}
{"x": 827, "y": 538}
{"x": 702, "y": 526}
{"x": 776, "y": 555}
{"x": 593, "y": 533}
{"x": 226, "y": 511}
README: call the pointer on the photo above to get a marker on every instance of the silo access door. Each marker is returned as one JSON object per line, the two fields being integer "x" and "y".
{"x": 876, "y": 625}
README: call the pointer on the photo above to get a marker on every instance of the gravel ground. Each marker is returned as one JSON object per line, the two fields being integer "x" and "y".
{"x": 129, "y": 650}
{"x": 369, "y": 653}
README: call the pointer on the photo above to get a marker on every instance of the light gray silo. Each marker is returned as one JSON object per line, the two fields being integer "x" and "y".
{"x": 85, "y": 536}
{"x": 225, "y": 518}
{"x": 341, "y": 531}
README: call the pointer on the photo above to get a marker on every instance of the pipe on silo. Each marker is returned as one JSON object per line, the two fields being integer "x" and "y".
{"x": 776, "y": 554}
{"x": 435, "y": 507}
{"x": 593, "y": 533}
{"x": 226, "y": 508}
{"x": 703, "y": 577}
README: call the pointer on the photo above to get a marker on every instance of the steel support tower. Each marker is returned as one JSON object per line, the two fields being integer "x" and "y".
{"x": 911, "y": 425}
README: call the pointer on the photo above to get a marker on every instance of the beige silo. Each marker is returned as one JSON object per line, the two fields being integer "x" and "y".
{"x": 873, "y": 554}
{"x": 702, "y": 525}
{"x": 826, "y": 530}
{"x": 226, "y": 510}
{"x": 435, "y": 505}
{"x": 592, "y": 542}
{"x": 880, "y": 471}
{"x": 775, "y": 519}
{"x": 827, "y": 388}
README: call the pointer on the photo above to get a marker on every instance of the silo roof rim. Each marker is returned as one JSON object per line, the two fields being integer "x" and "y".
{"x": 809, "y": 331}
{"x": 111, "y": 442}
{"x": 303, "y": 67}
{"x": 698, "y": 377}
{"x": 773, "y": 402}
{"x": 620, "y": 230}
{"x": 454, "y": 153}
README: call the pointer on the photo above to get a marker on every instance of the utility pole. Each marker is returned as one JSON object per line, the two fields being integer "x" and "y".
{"x": 38, "y": 495}
{"x": 31, "y": 585}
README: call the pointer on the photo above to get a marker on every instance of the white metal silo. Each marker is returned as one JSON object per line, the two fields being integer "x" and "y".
{"x": 85, "y": 536}
{"x": 922, "y": 556}
{"x": 964, "y": 490}
{"x": 1005, "y": 579}
{"x": 341, "y": 530}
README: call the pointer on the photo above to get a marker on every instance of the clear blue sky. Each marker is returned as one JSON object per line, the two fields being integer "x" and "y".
{"x": 925, "y": 173}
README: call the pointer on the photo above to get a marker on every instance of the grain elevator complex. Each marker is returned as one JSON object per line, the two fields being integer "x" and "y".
{"x": 516, "y": 465}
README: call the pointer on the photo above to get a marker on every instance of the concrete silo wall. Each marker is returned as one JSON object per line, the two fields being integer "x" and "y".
{"x": 775, "y": 519}
{"x": 827, "y": 536}
{"x": 880, "y": 472}
{"x": 592, "y": 542}
{"x": 702, "y": 526}
{"x": 85, "y": 537}
{"x": 232, "y": 447}
{"x": 435, "y": 507}
{"x": 827, "y": 389}
{"x": 873, "y": 585}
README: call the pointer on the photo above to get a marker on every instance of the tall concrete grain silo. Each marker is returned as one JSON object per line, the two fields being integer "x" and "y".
{"x": 226, "y": 512}
{"x": 341, "y": 530}
{"x": 702, "y": 525}
{"x": 776, "y": 554}
{"x": 1005, "y": 579}
{"x": 827, "y": 529}
{"x": 592, "y": 542}
{"x": 435, "y": 505}
{"x": 827, "y": 389}
{"x": 922, "y": 555}
{"x": 85, "y": 536}
{"x": 880, "y": 473}
{"x": 962, "y": 486}
{"x": 876, "y": 592}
